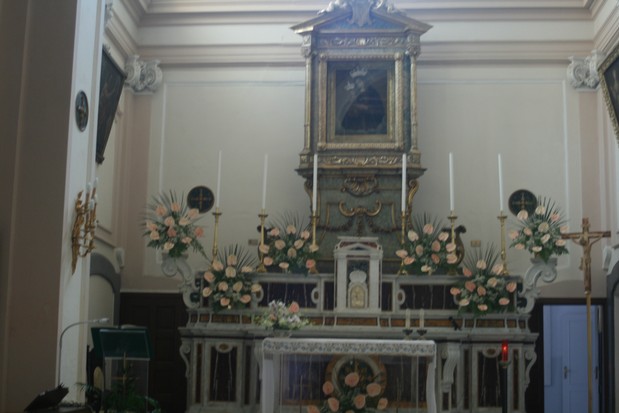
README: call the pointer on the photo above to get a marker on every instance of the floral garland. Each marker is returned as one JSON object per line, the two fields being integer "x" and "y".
{"x": 353, "y": 397}
{"x": 280, "y": 316}
{"x": 229, "y": 281}
{"x": 289, "y": 249}
{"x": 427, "y": 248}
{"x": 171, "y": 226}
{"x": 540, "y": 233}
{"x": 484, "y": 288}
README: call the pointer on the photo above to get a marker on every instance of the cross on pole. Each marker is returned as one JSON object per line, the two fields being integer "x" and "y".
{"x": 586, "y": 239}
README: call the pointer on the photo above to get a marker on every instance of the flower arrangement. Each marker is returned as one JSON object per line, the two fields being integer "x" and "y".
{"x": 484, "y": 289}
{"x": 540, "y": 232}
{"x": 280, "y": 316}
{"x": 427, "y": 247}
{"x": 354, "y": 397}
{"x": 289, "y": 247}
{"x": 229, "y": 283}
{"x": 171, "y": 226}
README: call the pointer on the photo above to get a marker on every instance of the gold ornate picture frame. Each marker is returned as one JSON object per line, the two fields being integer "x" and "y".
{"x": 360, "y": 103}
{"x": 609, "y": 82}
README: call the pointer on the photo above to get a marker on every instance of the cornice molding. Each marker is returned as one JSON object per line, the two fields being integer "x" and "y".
{"x": 432, "y": 53}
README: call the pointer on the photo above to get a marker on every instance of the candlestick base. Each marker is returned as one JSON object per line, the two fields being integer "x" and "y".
{"x": 263, "y": 216}
{"x": 408, "y": 333}
{"x": 422, "y": 333}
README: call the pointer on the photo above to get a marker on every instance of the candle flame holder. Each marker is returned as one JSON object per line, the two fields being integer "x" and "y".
{"x": 501, "y": 219}
{"x": 263, "y": 216}
{"x": 217, "y": 215}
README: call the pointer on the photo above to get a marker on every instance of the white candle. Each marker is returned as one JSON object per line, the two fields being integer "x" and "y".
{"x": 500, "y": 183}
{"x": 315, "y": 184}
{"x": 264, "y": 181}
{"x": 422, "y": 318}
{"x": 407, "y": 322}
{"x": 403, "y": 183}
{"x": 218, "y": 181}
{"x": 451, "y": 182}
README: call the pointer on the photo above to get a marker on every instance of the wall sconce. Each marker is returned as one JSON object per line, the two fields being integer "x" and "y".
{"x": 83, "y": 233}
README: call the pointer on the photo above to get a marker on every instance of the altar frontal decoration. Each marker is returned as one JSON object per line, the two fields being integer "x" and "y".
{"x": 540, "y": 233}
{"x": 230, "y": 280}
{"x": 427, "y": 248}
{"x": 484, "y": 288}
{"x": 171, "y": 227}
{"x": 353, "y": 397}
{"x": 288, "y": 247}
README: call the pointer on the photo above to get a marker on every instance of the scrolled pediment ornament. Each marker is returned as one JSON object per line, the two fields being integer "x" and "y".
{"x": 582, "y": 72}
{"x": 143, "y": 76}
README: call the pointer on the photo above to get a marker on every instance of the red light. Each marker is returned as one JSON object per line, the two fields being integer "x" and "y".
{"x": 504, "y": 351}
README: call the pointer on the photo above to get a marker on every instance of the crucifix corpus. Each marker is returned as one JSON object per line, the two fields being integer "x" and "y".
{"x": 586, "y": 239}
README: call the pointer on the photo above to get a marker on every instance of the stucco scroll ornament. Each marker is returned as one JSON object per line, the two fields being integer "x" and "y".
{"x": 582, "y": 72}
{"x": 540, "y": 269}
{"x": 172, "y": 266}
{"x": 143, "y": 76}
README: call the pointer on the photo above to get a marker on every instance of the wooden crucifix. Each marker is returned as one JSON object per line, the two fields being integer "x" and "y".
{"x": 586, "y": 239}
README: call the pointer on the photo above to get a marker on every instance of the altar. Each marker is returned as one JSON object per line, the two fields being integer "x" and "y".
{"x": 288, "y": 363}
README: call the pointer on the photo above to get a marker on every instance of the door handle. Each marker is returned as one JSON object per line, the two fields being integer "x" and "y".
{"x": 565, "y": 372}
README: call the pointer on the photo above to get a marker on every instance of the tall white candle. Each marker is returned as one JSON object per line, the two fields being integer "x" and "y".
{"x": 315, "y": 184}
{"x": 407, "y": 322}
{"x": 264, "y": 181}
{"x": 218, "y": 181}
{"x": 422, "y": 318}
{"x": 451, "y": 182}
{"x": 500, "y": 183}
{"x": 403, "y": 183}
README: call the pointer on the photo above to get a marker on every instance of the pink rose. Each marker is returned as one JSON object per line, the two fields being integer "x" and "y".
{"x": 151, "y": 226}
{"x": 435, "y": 258}
{"x": 312, "y": 409}
{"x": 274, "y": 232}
{"x": 519, "y": 246}
{"x": 513, "y": 234}
{"x": 183, "y": 222}
{"x": 207, "y": 291}
{"x": 351, "y": 379}
{"x": 224, "y": 301}
{"x": 198, "y": 232}
{"x": 419, "y": 250}
{"x": 263, "y": 248}
{"x": 171, "y": 232}
{"x": 481, "y": 264}
{"x": 545, "y": 238}
{"x": 246, "y": 269}
{"x": 481, "y": 291}
{"x": 466, "y": 272}
{"x": 291, "y": 229}
{"x": 255, "y": 288}
{"x": 428, "y": 229}
{"x": 217, "y": 266}
{"x": 298, "y": 244}
{"x": 560, "y": 243}
{"x": 359, "y": 401}
{"x": 245, "y": 298}
{"x": 451, "y": 247}
{"x": 280, "y": 244}
{"x": 401, "y": 254}
{"x": 193, "y": 213}
{"x": 186, "y": 240}
{"x": 209, "y": 276}
{"x": 470, "y": 286}
{"x": 168, "y": 246}
{"x": 238, "y": 286}
{"x": 294, "y": 307}
{"x": 436, "y": 246}
{"x": 231, "y": 260}
{"x": 540, "y": 210}
{"x": 497, "y": 269}
{"x": 482, "y": 307}
{"x": 426, "y": 268}
{"x": 313, "y": 247}
{"x": 527, "y": 231}
{"x": 452, "y": 258}
{"x": 523, "y": 215}
{"x": 267, "y": 261}
{"x": 563, "y": 229}
{"x": 409, "y": 260}
{"x": 176, "y": 207}
{"x": 455, "y": 291}
{"x": 292, "y": 253}
{"x": 333, "y": 403}
{"x": 536, "y": 248}
{"x": 169, "y": 221}
{"x": 492, "y": 282}
{"x": 412, "y": 236}
{"x": 160, "y": 210}
{"x": 230, "y": 272}
{"x": 554, "y": 217}
{"x": 305, "y": 235}
{"x": 373, "y": 389}
{"x": 309, "y": 264}
{"x": 543, "y": 227}
{"x": 443, "y": 236}
{"x": 511, "y": 287}
{"x": 382, "y": 403}
{"x": 154, "y": 235}
{"x": 464, "y": 302}
{"x": 222, "y": 286}
{"x": 503, "y": 301}
{"x": 284, "y": 265}
{"x": 327, "y": 388}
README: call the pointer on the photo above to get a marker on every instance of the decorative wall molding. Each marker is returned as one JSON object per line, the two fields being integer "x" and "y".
{"x": 109, "y": 11}
{"x": 143, "y": 77}
{"x": 582, "y": 71}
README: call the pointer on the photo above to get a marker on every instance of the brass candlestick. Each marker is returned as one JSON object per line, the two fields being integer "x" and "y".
{"x": 314, "y": 245}
{"x": 83, "y": 232}
{"x": 502, "y": 218}
{"x": 216, "y": 214}
{"x": 402, "y": 271}
{"x": 452, "y": 218}
{"x": 263, "y": 216}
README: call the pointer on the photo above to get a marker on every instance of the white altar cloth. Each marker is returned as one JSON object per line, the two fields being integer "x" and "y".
{"x": 274, "y": 348}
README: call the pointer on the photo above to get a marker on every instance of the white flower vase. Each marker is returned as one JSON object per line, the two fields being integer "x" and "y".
{"x": 171, "y": 266}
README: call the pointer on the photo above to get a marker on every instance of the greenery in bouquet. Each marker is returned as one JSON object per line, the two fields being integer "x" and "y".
{"x": 171, "y": 227}
{"x": 484, "y": 288}
{"x": 356, "y": 396}
{"x": 229, "y": 280}
{"x": 280, "y": 316}
{"x": 540, "y": 233}
{"x": 427, "y": 248}
{"x": 288, "y": 246}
